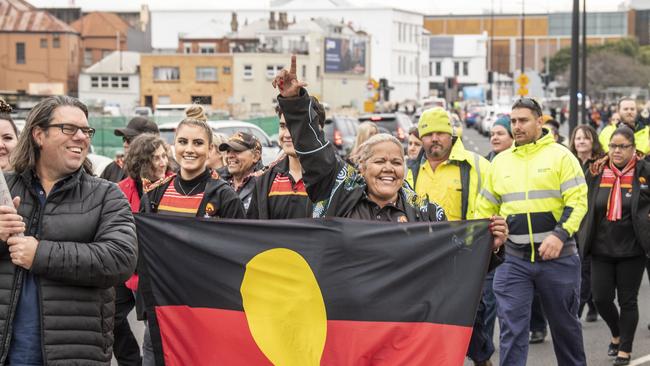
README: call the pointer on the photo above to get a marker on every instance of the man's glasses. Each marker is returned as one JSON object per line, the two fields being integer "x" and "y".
{"x": 529, "y": 103}
{"x": 70, "y": 129}
{"x": 619, "y": 147}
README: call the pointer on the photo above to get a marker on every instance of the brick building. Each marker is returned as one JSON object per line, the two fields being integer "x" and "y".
{"x": 39, "y": 53}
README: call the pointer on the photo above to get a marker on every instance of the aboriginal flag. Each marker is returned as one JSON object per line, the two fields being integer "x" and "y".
{"x": 311, "y": 292}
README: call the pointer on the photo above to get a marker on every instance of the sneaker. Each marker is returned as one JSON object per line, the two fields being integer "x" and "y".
{"x": 537, "y": 336}
{"x": 612, "y": 349}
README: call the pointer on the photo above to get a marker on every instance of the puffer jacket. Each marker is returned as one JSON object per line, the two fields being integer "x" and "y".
{"x": 87, "y": 245}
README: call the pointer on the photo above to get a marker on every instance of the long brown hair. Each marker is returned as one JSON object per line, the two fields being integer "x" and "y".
{"x": 138, "y": 163}
{"x": 597, "y": 151}
{"x": 27, "y": 152}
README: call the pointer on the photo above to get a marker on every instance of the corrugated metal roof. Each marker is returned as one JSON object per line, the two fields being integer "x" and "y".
{"x": 20, "y": 16}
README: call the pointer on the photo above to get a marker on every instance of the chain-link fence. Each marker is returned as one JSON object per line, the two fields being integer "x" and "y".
{"x": 107, "y": 144}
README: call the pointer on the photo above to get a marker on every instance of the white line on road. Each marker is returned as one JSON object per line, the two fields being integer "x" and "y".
{"x": 640, "y": 361}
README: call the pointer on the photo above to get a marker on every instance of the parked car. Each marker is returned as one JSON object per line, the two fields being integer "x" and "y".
{"x": 341, "y": 132}
{"x": 270, "y": 148}
{"x": 492, "y": 115}
{"x": 397, "y": 124}
{"x": 474, "y": 115}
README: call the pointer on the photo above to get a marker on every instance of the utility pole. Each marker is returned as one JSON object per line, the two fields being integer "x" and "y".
{"x": 523, "y": 37}
{"x": 573, "y": 97}
{"x": 492, "y": 68}
{"x": 585, "y": 112}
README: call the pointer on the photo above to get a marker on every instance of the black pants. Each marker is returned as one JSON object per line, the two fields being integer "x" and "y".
{"x": 621, "y": 277}
{"x": 125, "y": 348}
{"x": 585, "y": 286}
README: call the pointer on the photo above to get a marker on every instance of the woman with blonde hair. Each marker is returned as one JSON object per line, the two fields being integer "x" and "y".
{"x": 365, "y": 131}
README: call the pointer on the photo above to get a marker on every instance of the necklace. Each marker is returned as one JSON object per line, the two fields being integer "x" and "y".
{"x": 180, "y": 185}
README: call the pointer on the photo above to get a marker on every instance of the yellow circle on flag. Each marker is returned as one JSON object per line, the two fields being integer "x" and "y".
{"x": 284, "y": 308}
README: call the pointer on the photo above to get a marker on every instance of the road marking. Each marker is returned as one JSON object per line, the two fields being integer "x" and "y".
{"x": 640, "y": 360}
{"x": 475, "y": 148}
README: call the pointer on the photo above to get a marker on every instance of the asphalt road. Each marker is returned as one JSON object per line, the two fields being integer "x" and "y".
{"x": 596, "y": 335}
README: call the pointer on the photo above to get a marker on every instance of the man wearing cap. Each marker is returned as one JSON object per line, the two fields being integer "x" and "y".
{"x": 114, "y": 172}
{"x": 448, "y": 174}
{"x": 243, "y": 159}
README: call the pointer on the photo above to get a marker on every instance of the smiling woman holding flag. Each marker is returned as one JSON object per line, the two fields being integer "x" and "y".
{"x": 376, "y": 191}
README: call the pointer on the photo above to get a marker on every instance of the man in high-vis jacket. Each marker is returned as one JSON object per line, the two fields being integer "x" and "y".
{"x": 628, "y": 113}
{"x": 539, "y": 187}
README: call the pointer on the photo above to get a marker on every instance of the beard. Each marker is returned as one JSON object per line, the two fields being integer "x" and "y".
{"x": 438, "y": 153}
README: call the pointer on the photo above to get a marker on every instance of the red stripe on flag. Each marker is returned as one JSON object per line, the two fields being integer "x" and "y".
{"x": 204, "y": 336}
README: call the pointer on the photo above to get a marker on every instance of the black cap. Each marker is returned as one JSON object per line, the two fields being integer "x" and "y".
{"x": 241, "y": 141}
{"x": 137, "y": 126}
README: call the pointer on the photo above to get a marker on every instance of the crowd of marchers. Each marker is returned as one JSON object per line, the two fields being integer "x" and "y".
{"x": 570, "y": 224}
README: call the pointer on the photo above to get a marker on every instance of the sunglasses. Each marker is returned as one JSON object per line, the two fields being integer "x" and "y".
{"x": 529, "y": 103}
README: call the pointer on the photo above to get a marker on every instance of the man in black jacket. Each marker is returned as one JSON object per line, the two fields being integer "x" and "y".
{"x": 79, "y": 241}
{"x": 280, "y": 192}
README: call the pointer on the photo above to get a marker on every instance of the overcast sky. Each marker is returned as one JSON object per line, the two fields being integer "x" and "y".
{"x": 425, "y": 6}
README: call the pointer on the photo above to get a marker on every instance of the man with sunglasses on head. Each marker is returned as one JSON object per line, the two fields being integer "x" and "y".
{"x": 540, "y": 187}
{"x": 66, "y": 239}
{"x": 114, "y": 172}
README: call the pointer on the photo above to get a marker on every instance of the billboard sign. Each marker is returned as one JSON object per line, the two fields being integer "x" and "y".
{"x": 345, "y": 55}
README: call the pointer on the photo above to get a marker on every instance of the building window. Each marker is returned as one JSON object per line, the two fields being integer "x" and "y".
{"x": 115, "y": 82}
{"x": 187, "y": 47}
{"x": 104, "y": 82}
{"x": 164, "y": 99}
{"x": 166, "y": 74}
{"x": 124, "y": 82}
{"x": 430, "y": 68}
{"x": 56, "y": 41}
{"x": 304, "y": 72}
{"x": 465, "y": 68}
{"x": 94, "y": 81}
{"x": 248, "y": 71}
{"x": 317, "y": 71}
{"x": 456, "y": 68}
{"x": 43, "y": 42}
{"x": 202, "y": 99}
{"x": 225, "y": 70}
{"x": 272, "y": 70}
{"x": 88, "y": 57}
{"x": 207, "y": 49}
{"x": 399, "y": 32}
{"x": 206, "y": 74}
{"x": 438, "y": 68}
{"x": 20, "y": 53}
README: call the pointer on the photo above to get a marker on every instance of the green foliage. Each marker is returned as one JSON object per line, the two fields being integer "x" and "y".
{"x": 629, "y": 47}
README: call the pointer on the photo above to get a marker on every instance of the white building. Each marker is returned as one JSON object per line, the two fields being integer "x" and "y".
{"x": 253, "y": 72}
{"x": 458, "y": 60}
{"x": 113, "y": 82}
{"x": 398, "y": 51}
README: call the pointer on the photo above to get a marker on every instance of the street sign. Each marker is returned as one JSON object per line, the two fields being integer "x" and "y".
{"x": 523, "y": 80}
{"x": 523, "y": 91}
